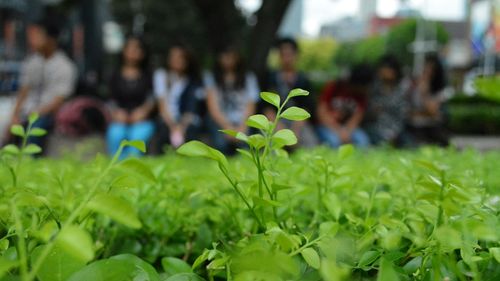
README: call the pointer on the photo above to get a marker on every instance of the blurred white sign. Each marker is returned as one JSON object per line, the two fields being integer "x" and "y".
{"x": 113, "y": 37}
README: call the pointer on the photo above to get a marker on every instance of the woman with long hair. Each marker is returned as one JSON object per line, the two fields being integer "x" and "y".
{"x": 232, "y": 94}
{"x": 131, "y": 99}
{"x": 178, "y": 90}
{"x": 429, "y": 93}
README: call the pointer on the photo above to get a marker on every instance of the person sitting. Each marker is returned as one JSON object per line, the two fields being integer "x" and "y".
{"x": 232, "y": 94}
{"x": 387, "y": 105}
{"x": 341, "y": 109}
{"x": 131, "y": 99}
{"x": 178, "y": 91}
{"x": 48, "y": 77}
{"x": 429, "y": 92}
{"x": 285, "y": 79}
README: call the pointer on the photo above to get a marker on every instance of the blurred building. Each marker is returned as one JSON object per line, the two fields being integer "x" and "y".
{"x": 347, "y": 29}
{"x": 292, "y": 21}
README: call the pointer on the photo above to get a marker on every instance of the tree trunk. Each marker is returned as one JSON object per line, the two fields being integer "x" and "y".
{"x": 263, "y": 35}
{"x": 223, "y": 21}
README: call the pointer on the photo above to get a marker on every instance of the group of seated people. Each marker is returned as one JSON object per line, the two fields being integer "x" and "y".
{"x": 177, "y": 103}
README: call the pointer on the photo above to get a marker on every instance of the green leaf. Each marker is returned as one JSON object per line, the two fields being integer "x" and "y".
{"x": 201, "y": 259}
{"x": 117, "y": 268}
{"x": 116, "y": 208}
{"x": 258, "y": 121}
{"x": 47, "y": 231}
{"x": 298, "y": 92}
{"x": 219, "y": 263}
{"x": 32, "y": 149}
{"x": 76, "y": 242}
{"x": 37, "y": 132}
{"x": 173, "y": 266}
{"x": 391, "y": 240}
{"x": 328, "y": 228}
{"x": 387, "y": 271}
{"x": 138, "y": 167}
{"x": 199, "y": 149}
{"x": 231, "y": 133}
{"x": 185, "y": 277}
{"x": 242, "y": 137}
{"x": 449, "y": 238}
{"x": 279, "y": 187}
{"x": 58, "y": 265}
{"x": 33, "y": 117}
{"x": 285, "y": 137}
{"x": 311, "y": 257}
{"x": 265, "y": 202}
{"x": 495, "y": 253}
{"x": 147, "y": 271}
{"x": 6, "y": 265}
{"x": 271, "y": 98}
{"x": 4, "y": 244}
{"x": 257, "y": 141}
{"x": 330, "y": 271}
{"x": 11, "y": 149}
{"x": 345, "y": 151}
{"x": 295, "y": 114}
{"x": 333, "y": 205}
{"x": 138, "y": 144}
{"x": 17, "y": 130}
{"x": 245, "y": 153}
{"x": 368, "y": 258}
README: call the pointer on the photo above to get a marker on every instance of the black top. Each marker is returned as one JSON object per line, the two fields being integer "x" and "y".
{"x": 277, "y": 85}
{"x": 129, "y": 94}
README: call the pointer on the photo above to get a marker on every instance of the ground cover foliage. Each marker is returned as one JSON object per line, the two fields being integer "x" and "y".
{"x": 380, "y": 214}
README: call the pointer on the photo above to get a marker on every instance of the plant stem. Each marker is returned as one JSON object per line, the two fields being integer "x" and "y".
{"x": 72, "y": 217}
{"x": 21, "y": 244}
{"x": 242, "y": 196}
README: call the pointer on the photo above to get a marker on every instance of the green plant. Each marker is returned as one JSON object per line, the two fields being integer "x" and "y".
{"x": 376, "y": 214}
{"x": 55, "y": 239}
{"x": 263, "y": 204}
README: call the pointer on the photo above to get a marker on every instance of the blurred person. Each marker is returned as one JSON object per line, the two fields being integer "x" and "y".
{"x": 232, "y": 94}
{"x": 131, "y": 99}
{"x": 341, "y": 109}
{"x": 285, "y": 79}
{"x": 387, "y": 105}
{"x": 48, "y": 77}
{"x": 427, "y": 99}
{"x": 178, "y": 90}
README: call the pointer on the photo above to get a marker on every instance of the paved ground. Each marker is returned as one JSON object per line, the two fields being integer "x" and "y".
{"x": 482, "y": 143}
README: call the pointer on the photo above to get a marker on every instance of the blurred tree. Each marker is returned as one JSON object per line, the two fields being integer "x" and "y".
{"x": 166, "y": 23}
{"x": 367, "y": 50}
{"x": 316, "y": 55}
{"x": 397, "y": 42}
{"x": 206, "y": 25}
{"x": 402, "y": 35}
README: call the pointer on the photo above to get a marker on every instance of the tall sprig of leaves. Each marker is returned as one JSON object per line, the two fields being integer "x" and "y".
{"x": 260, "y": 146}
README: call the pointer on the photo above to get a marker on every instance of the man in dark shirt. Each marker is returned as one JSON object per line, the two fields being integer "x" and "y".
{"x": 341, "y": 108}
{"x": 287, "y": 78}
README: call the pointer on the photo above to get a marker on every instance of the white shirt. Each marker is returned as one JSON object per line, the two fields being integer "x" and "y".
{"x": 168, "y": 88}
{"x": 233, "y": 102}
{"x": 46, "y": 79}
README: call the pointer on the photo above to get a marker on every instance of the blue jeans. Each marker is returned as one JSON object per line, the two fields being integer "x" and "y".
{"x": 326, "y": 135}
{"x": 118, "y": 131}
{"x": 220, "y": 141}
{"x": 45, "y": 122}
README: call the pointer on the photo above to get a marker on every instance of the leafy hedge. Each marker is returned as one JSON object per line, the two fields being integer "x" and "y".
{"x": 382, "y": 215}
{"x": 378, "y": 210}
{"x": 478, "y": 114}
